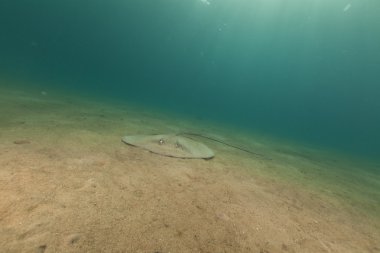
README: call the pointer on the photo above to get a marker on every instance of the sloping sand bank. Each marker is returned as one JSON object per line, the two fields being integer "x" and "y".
{"x": 68, "y": 184}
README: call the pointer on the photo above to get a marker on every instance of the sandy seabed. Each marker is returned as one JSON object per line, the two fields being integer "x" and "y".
{"x": 68, "y": 184}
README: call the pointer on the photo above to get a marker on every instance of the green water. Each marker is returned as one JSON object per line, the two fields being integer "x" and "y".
{"x": 307, "y": 70}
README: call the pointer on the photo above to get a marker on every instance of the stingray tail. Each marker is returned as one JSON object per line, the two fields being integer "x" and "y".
{"x": 224, "y": 143}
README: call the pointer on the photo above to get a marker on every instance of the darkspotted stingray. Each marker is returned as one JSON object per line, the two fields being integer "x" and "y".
{"x": 170, "y": 145}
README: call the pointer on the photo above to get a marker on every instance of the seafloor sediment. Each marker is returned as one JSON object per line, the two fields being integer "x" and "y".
{"x": 68, "y": 184}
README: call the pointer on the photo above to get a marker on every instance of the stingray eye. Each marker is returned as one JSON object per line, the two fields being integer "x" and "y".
{"x": 178, "y": 145}
{"x": 161, "y": 141}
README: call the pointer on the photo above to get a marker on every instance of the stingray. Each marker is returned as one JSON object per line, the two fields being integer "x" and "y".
{"x": 171, "y": 145}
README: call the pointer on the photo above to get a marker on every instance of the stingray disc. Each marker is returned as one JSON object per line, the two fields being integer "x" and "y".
{"x": 170, "y": 145}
